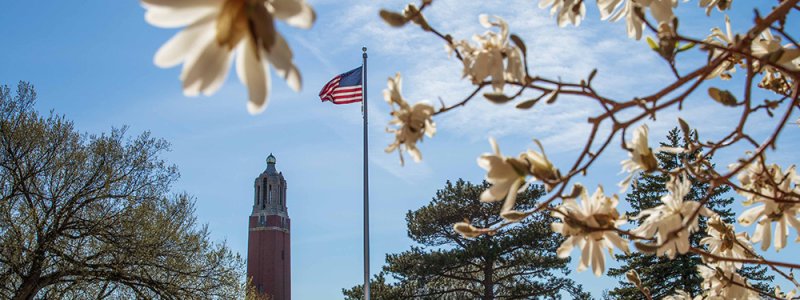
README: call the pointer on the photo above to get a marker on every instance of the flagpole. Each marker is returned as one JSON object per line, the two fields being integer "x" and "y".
{"x": 366, "y": 174}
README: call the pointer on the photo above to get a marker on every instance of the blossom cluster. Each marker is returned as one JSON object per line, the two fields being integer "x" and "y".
{"x": 411, "y": 122}
{"x": 766, "y": 46}
{"x": 573, "y": 11}
{"x": 493, "y": 56}
{"x": 592, "y": 224}
{"x": 778, "y": 192}
{"x": 508, "y": 175}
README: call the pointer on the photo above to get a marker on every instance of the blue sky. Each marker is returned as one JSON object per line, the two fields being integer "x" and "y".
{"x": 91, "y": 60}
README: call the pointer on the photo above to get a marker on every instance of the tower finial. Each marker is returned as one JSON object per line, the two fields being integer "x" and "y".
{"x": 271, "y": 159}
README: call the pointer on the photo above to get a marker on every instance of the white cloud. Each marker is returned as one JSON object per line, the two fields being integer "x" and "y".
{"x": 568, "y": 54}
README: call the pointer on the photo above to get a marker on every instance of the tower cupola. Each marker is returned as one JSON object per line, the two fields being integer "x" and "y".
{"x": 271, "y": 165}
{"x": 270, "y": 191}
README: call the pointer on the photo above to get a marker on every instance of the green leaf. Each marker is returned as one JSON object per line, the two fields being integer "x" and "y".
{"x": 686, "y": 47}
{"x": 652, "y": 43}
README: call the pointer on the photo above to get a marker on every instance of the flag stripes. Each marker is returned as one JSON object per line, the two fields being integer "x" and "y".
{"x": 344, "y": 88}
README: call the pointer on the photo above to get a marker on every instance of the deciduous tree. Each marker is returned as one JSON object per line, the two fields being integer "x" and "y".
{"x": 93, "y": 216}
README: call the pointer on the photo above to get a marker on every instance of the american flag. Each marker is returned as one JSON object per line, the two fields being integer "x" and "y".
{"x": 344, "y": 88}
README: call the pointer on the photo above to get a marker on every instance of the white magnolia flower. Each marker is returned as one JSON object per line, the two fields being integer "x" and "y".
{"x": 769, "y": 47}
{"x": 723, "y": 241}
{"x": 775, "y": 81}
{"x": 506, "y": 174}
{"x": 752, "y": 177}
{"x": 590, "y": 227}
{"x": 569, "y": 11}
{"x": 411, "y": 121}
{"x": 724, "y": 285}
{"x": 216, "y": 29}
{"x": 540, "y": 167}
{"x": 487, "y": 58}
{"x": 681, "y": 295}
{"x": 672, "y": 222}
{"x": 615, "y": 10}
{"x": 725, "y": 40}
{"x": 641, "y": 157}
{"x": 763, "y": 186}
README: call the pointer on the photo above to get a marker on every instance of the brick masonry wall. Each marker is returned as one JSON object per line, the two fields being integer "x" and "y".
{"x": 269, "y": 256}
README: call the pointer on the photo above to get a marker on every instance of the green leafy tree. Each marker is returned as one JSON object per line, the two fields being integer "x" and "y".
{"x": 379, "y": 289}
{"x": 661, "y": 275}
{"x": 92, "y": 216}
{"x": 518, "y": 263}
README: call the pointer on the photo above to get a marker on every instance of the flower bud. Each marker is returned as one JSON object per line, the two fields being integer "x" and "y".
{"x": 467, "y": 230}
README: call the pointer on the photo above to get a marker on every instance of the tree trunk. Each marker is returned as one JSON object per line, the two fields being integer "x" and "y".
{"x": 30, "y": 284}
{"x": 488, "y": 282}
{"x": 28, "y": 289}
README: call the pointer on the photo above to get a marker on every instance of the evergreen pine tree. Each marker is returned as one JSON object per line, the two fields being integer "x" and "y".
{"x": 663, "y": 276}
{"x": 518, "y": 263}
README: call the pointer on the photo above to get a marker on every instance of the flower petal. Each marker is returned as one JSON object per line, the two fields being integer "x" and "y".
{"x": 296, "y": 13}
{"x": 566, "y": 247}
{"x": 749, "y": 216}
{"x": 172, "y": 18}
{"x": 780, "y": 234}
{"x": 179, "y": 4}
{"x": 586, "y": 255}
{"x": 184, "y": 43}
{"x": 511, "y": 198}
{"x": 617, "y": 241}
{"x": 207, "y": 72}
{"x": 252, "y": 73}
{"x": 598, "y": 259}
{"x": 762, "y": 234}
{"x": 794, "y": 222}
{"x": 280, "y": 57}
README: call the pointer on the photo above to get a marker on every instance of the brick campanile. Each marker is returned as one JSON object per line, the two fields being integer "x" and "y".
{"x": 268, "y": 242}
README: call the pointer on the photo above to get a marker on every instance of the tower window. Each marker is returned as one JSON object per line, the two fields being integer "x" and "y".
{"x": 261, "y": 220}
{"x": 263, "y": 195}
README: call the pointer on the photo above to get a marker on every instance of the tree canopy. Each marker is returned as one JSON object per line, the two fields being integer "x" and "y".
{"x": 93, "y": 216}
{"x": 519, "y": 263}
